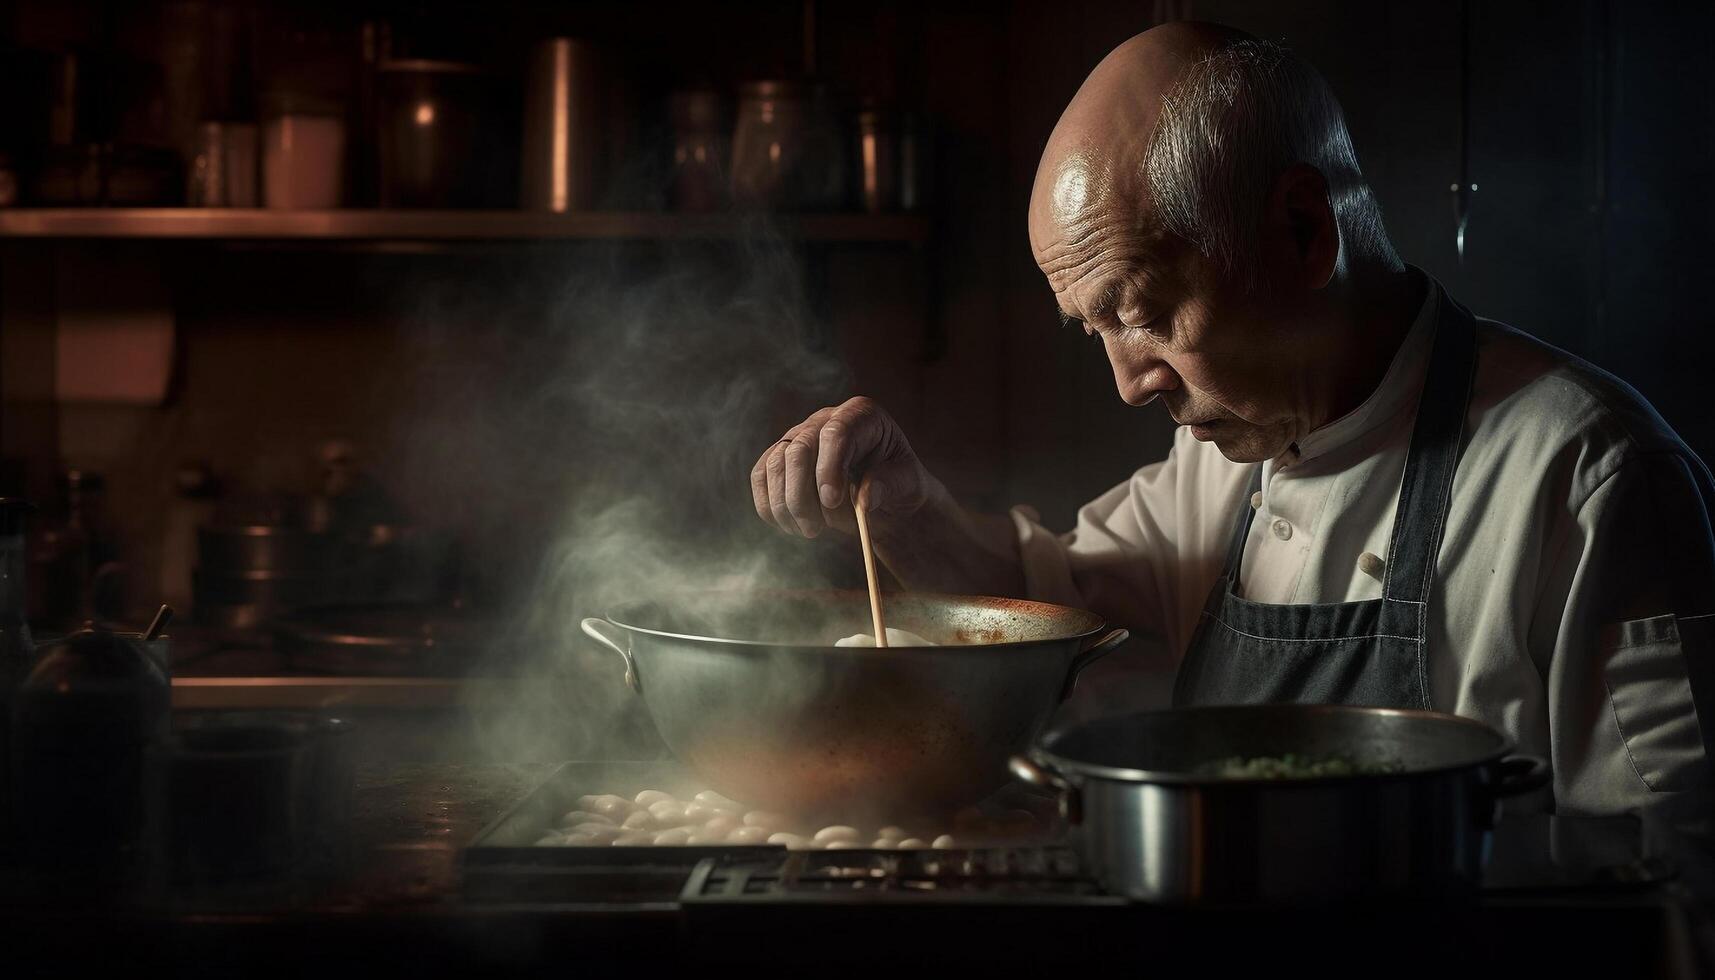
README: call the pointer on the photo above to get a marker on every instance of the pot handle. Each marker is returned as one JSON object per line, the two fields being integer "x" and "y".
{"x": 1090, "y": 655}
{"x": 1036, "y": 774}
{"x": 1519, "y": 774}
{"x": 595, "y": 628}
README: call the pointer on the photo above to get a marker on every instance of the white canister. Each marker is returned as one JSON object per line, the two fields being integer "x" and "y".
{"x": 303, "y": 156}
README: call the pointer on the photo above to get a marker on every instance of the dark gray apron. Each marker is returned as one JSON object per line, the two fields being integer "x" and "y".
{"x": 1361, "y": 653}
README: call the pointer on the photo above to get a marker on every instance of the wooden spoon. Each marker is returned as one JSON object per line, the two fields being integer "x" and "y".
{"x": 860, "y": 508}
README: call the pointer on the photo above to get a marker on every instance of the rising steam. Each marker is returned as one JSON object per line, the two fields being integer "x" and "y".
{"x": 586, "y": 418}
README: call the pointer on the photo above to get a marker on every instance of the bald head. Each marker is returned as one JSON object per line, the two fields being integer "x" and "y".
{"x": 1097, "y": 155}
{"x": 1193, "y": 207}
{"x": 1181, "y": 131}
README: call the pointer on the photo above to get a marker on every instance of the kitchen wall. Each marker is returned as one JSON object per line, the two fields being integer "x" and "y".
{"x": 1593, "y": 168}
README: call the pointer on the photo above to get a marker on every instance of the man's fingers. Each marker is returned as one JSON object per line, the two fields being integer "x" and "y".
{"x": 803, "y": 483}
{"x": 800, "y": 481}
{"x": 759, "y": 487}
{"x": 849, "y": 434}
{"x": 832, "y": 443}
{"x": 776, "y": 469}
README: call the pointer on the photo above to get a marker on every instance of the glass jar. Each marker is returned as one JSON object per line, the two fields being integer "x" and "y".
{"x": 700, "y": 150}
{"x": 428, "y": 138}
{"x": 767, "y": 144}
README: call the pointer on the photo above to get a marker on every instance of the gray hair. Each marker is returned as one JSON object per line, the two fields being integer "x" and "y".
{"x": 1232, "y": 124}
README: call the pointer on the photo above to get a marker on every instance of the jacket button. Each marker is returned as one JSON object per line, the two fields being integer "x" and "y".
{"x": 1282, "y": 530}
{"x": 1256, "y": 500}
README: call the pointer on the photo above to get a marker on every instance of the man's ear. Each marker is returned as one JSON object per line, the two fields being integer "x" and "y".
{"x": 1300, "y": 218}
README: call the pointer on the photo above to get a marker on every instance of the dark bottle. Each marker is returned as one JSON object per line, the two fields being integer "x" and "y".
{"x": 17, "y": 652}
{"x": 77, "y": 563}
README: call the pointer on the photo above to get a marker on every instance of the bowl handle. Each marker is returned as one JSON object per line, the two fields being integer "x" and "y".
{"x": 595, "y": 628}
{"x": 1036, "y": 774}
{"x": 1090, "y": 655}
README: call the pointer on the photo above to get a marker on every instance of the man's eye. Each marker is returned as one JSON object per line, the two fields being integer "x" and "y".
{"x": 1155, "y": 325}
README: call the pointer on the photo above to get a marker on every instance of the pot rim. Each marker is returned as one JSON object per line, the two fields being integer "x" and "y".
{"x": 1098, "y": 629}
{"x": 1071, "y": 768}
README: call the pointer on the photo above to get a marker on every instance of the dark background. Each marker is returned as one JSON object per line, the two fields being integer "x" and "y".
{"x": 1591, "y": 139}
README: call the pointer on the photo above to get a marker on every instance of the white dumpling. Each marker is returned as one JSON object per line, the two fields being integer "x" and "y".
{"x": 895, "y": 638}
{"x": 601, "y": 833}
{"x": 837, "y": 833}
{"x": 709, "y": 797}
{"x": 607, "y": 805}
{"x": 722, "y": 824}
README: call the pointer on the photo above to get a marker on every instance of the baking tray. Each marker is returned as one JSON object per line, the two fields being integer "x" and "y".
{"x": 504, "y": 864}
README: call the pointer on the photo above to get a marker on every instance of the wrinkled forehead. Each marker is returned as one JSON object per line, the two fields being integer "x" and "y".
{"x": 1087, "y": 203}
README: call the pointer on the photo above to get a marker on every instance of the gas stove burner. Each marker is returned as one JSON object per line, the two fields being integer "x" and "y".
{"x": 1000, "y": 874}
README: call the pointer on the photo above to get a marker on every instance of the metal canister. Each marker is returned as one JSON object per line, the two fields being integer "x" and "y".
{"x": 206, "y": 171}
{"x": 915, "y": 163}
{"x": 878, "y": 160}
{"x": 565, "y": 95}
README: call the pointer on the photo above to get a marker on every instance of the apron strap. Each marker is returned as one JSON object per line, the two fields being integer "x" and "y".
{"x": 1437, "y": 439}
{"x": 1426, "y": 488}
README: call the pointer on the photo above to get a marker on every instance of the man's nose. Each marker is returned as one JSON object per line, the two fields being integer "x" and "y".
{"x": 1141, "y": 378}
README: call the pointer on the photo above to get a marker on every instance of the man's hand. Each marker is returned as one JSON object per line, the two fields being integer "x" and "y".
{"x": 803, "y": 483}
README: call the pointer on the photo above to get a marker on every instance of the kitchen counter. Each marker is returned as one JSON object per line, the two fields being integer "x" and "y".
{"x": 398, "y": 910}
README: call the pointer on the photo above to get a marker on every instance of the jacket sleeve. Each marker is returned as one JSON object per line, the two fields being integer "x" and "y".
{"x": 1629, "y": 703}
{"x": 1118, "y": 560}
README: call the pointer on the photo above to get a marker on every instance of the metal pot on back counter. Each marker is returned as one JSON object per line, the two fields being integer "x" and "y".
{"x": 250, "y": 573}
{"x": 398, "y": 640}
{"x": 1156, "y": 814}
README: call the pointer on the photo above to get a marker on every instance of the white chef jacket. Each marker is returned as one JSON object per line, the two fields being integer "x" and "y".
{"x": 1574, "y": 597}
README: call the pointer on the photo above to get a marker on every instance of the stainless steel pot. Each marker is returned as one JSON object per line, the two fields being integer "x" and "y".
{"x": 1151, "y": 825}
{"x": 749, "y": 691}
{"x": 258, "y": 547}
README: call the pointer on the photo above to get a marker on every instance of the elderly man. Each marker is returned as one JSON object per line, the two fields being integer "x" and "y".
{"x": 1374, "y": 497}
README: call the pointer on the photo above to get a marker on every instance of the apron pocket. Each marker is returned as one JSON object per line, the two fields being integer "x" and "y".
{"x": 1644, "y": 670}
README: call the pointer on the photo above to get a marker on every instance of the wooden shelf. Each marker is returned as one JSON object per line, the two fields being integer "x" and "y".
{"x": 253, "y": 224}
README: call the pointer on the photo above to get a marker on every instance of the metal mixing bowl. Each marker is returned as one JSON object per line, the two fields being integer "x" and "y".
{"x": 749, "y": 691}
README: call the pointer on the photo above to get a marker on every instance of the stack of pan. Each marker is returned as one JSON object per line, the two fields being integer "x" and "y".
{"x": 248, "y": 574}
